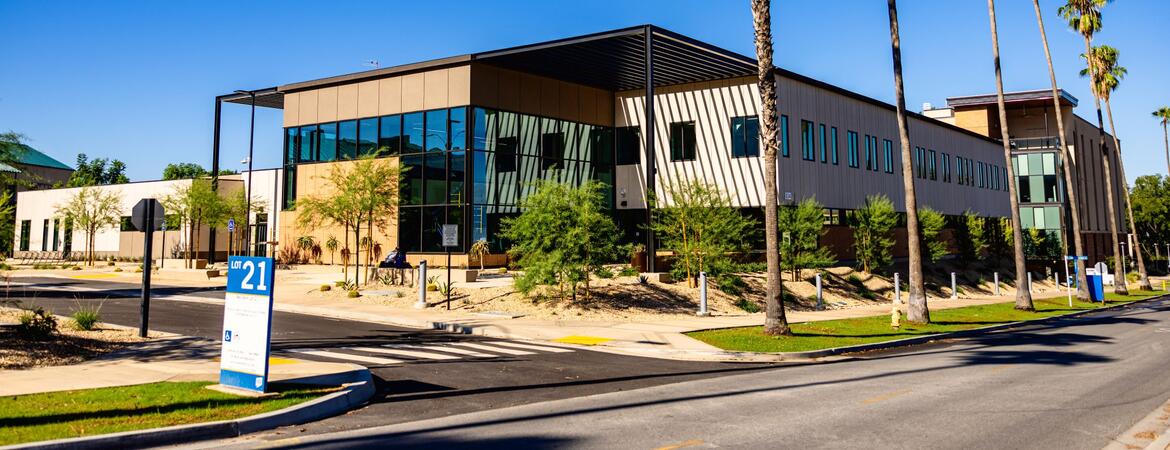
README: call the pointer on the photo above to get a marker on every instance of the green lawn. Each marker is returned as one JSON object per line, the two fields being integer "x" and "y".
{"x": 55, "y": 415}
{"x": 839, "y": 333}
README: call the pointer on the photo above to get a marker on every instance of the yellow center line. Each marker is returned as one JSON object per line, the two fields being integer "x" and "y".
{"x": 884, "y": 397}
{"x": 683, "y": 444}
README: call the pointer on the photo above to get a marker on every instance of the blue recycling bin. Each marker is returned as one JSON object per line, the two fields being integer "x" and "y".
{"x": 1096, "y": 287}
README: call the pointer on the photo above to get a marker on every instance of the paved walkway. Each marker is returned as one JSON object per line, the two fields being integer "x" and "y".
{"x": 173, "y": 358}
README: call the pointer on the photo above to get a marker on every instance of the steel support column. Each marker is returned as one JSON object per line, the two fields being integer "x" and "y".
{"x": 214, "y": 178}
{"x": 651, "y": 169}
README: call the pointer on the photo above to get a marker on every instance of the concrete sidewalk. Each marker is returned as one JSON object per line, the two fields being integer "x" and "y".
{"x": 172, "y": 358}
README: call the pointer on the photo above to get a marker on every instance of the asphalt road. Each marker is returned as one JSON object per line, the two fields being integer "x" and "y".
{"x": 1070, "y": 387}
{"x": 410, "y": 389}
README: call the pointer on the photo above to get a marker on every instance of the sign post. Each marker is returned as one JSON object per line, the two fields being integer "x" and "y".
{"x": 231, "y": 225}
{"x": 450, "y": 239}
{"x": 1069, "y": 281}
{"x": 247, "y": 323}
{"x": 146, "y": 216}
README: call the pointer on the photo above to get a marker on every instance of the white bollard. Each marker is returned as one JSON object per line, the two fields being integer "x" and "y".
{"x": 1029, "y": 282}
{"x": 997, "y": 284}
{"x": 954, "y": 291}
{"x": 820, "y": 295}
{"x": 897, "y": 289}
{"x": 703, "y": 294}
{"x": 422, "y": 285}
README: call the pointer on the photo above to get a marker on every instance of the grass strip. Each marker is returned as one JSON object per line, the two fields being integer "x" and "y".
{"x": 68, "y": 414}
{"x": 807, "y": 336}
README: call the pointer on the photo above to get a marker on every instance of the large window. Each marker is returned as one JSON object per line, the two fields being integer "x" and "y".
{"x": 25, "y": 229}
{"x": 933, "y": 165}
{"x": 824, "y": 147}
{"x": 833, "y": 140}
{"x": 784, "y": 144}
{"x": 946, "y": 168}
{"x": 45, "y": 236}
{"x": 888, "y": 152}
{"x": 628, "y": 143}
{"x": 682, "y": 141}
{"x": 745, "y": 136}
{"x": 347, "y": 139}
{"x": 852, "y": 149}
{"x": 808, "y": 143}
{"x": 412, "y": 132}
{"x": 870, "y": 162}
{"x": 367, "y": 139}
{"x": 390, "y": 135}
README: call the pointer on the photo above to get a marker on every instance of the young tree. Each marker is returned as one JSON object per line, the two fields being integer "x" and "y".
{"x": 775, "y": 322}
{"x": 801, "y": 227}
{"x": 1151, "y": 207}
{"x": 100, "y": 171}
{"x": 235, "y": 207}
{"x": 91, "y": 210}
{"x": 479, "y": 249}
{"x": 363, "y": 192}
{"x": 1023, "y": 296}
{"x": 975, "y": 240}
{"x": 196, "y": 204}
{"x": 871, "y": 233}
{"x": 331, "y": 244}
{"x": 930, "y": 225}
{"x": 561, "y": 236}
{"x": 919, "y": 312}
{"x": 700, "y": 226}
{"x": 1070, "y": 188}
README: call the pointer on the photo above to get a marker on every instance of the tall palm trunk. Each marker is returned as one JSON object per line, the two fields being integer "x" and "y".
{"x": 775, "y": 322}
{"x": 1110, "y": 208}
{"x": 918, "y": 311}
{"x": 1166, "y": 144}
{"x": 1068, "y": 168}
{"x": 1143, "y": 280}
{"x": 1023, "y": 293}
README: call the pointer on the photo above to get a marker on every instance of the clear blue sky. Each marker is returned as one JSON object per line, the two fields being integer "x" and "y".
{"x": 136, "y": 80}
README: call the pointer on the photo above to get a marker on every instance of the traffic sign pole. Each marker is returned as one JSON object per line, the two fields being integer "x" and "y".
{"x": 146, "y": 269}
{"x": 450, "y": 234}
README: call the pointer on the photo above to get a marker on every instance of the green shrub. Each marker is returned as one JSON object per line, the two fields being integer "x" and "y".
{"x": 399, "y": 294}
{"x": 628, "y": 271}
{"x": 339, "y": 283}
{"x": 110, "y": 263}
{"x": 730, "y": 283}
{"x": 87, "y": 318}
{"x": 5, "y": 266}
{"x": 326, "y": 288}
{"x": 354, "y": 294}
{"x": 117, "y": 269}
{"x": 36, "y": 324}
{"x": 603, "y": 272}
{"x": 74, "y": 268}
{"x": 747, "y": 305}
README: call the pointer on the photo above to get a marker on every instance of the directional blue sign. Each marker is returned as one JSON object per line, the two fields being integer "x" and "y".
{"x": 1076, "y": 257}
{"x": 247, "y": 323}
{"x": 231, "y": 225}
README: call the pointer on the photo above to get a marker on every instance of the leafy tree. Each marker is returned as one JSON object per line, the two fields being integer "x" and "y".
{"x": 197, "y": 205}
{"x": 1000, "y": 239}
{"x": 1151, "y": 208}
{"x": 930, "y": 225}
{"x": 91, "y": 210}
{"x": 235, "y": 207}
{"x": 364, "y": 193}
{"x": 700, "y": 226}
{"x": 183, "y": 171}
{"x": 801, "y": 227}
{"x": 11, "y": 146}
{"x": 561, "y": 236}
{"x": 7, "y": 220}
{"x": 100, "y": 171}
{"x": 871, "y": 233}
{"x": 974, "y": 240}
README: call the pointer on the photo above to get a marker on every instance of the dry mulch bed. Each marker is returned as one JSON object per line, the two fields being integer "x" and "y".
{"x": 68, "y": 346}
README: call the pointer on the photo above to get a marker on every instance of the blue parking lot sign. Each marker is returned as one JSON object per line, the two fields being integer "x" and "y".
{"x": 247, "y": 323}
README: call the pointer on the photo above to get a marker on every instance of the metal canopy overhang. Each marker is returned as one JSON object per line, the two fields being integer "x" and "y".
{"x": 1041, "y": 97}
{"x": 616, "y": 60}
{"x": 266, "y": 98}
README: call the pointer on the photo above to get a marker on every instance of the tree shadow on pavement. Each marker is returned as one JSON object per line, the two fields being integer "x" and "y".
{"x": 430, "y": 442}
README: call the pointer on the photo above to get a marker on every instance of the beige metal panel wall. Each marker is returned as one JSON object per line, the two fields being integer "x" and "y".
{"x": 1090, "y": 168}
{"x": 711, "y": 106}
{"x": 441, "y": 88}
{"x": 509, "y": 90}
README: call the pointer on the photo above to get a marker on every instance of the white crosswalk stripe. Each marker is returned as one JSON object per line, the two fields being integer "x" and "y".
{"x": 540, "y": 348}
{"x": 448, "y": 349}
{"x": 451, "y": 351}
{"x": 348, "y": 357}
{"x": 488, "y": 348}
{"x": 409, "y": 353}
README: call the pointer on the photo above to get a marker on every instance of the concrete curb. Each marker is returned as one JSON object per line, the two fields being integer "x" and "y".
{"x": 358, "y": 388}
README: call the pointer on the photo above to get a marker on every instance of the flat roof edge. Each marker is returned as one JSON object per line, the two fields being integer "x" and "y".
{"x": 376, "y": 73}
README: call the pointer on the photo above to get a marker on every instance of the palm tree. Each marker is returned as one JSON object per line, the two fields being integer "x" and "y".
{"x": 1023, "y": 296}
{"x": 1164, "y": 114}
{"x": 918, "y": 311}
{"x": 775, "y": 323}
{"x": 1109, "y": 75}
{"x": 1084, "y": 16}
{"x": 1066, "y": 164}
